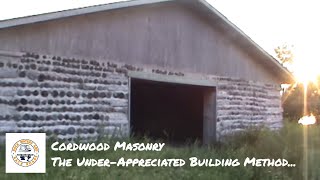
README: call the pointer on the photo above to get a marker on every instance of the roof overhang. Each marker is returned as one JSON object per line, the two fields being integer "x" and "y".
{"x": 75, "y": 12}
{"x": 244, "y": 41}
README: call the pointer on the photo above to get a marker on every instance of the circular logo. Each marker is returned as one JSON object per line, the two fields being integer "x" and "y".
{"x": 25, "y": 152}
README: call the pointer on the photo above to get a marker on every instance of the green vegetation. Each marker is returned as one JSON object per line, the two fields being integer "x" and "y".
{"x": 293, "y": 101}
{"x": 285, "y": 144}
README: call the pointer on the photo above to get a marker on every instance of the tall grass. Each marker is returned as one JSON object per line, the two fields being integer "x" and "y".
{"x": 286, "y": 143}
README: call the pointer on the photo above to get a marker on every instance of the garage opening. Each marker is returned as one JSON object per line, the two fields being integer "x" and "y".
{"x": 175, "y": 113}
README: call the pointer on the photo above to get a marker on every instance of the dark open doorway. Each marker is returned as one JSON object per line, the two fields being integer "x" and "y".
{"x": 172, "y": 112}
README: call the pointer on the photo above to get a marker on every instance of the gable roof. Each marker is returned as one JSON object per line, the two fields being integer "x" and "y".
{"x": 203, "y": 6}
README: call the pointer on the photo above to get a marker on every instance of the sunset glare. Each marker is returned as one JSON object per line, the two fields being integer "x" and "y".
{"x": 305, "y": 65}
{"x": 307, "y": 120}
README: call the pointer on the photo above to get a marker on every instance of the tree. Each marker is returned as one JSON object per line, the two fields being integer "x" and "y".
{"x": 293, "y": 102}
{"x": 285, "y": 54}
{"x": 293, "y": 97}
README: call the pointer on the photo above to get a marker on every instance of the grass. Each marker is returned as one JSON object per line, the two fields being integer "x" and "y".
{"x": 285, "y": 144}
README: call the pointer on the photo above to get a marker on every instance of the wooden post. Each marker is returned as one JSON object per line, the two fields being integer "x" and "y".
{"x": 209, "y": 116}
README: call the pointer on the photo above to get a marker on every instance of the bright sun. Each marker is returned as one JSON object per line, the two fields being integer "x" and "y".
{"x": 305, "y": 68}
{"x": 305, "y": 65}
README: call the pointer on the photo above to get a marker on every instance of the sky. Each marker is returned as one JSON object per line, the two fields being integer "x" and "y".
{"x": 268, "y": 22}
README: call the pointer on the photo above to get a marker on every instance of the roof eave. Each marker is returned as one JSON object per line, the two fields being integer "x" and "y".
{"x": 75, "y": 12}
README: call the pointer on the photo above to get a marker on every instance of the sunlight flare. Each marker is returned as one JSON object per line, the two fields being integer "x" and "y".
{"x": 307, "y": 120}
{"x": 305, "y": 64}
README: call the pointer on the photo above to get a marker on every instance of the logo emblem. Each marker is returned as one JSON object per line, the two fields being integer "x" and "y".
{"x": 25, "y": 152}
